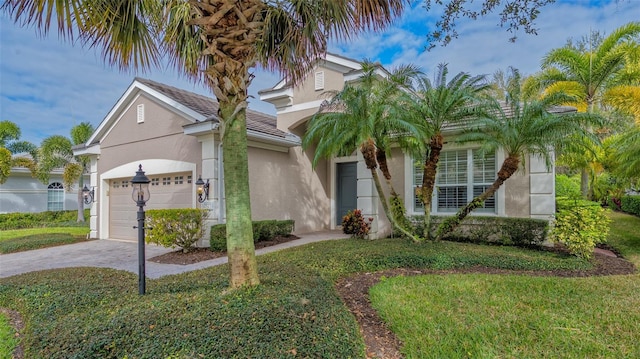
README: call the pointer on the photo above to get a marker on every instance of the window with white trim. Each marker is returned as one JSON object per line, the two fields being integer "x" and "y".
{"x": 55, "y": 197}
{"x": 462, "y": 175}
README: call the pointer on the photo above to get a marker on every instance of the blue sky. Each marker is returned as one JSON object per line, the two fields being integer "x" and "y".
{"x": 47, "y": 86}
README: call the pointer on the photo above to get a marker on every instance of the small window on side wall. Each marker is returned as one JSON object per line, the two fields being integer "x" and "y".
{"x": 55, "y": 197}
{"x": 141, "y": 113}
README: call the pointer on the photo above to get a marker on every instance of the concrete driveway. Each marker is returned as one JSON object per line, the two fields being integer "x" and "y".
{"x": 123, "y": 255}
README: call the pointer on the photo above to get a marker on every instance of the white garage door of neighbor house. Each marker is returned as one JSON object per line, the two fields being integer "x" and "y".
{"x": 170, "y": 190}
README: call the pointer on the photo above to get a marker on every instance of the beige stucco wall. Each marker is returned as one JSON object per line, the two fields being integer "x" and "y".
{"x": 306, "y": 92}
{"x": 284, "y": 186}
{"x": 160, "y": 136}
{"x": 517, "y": 197}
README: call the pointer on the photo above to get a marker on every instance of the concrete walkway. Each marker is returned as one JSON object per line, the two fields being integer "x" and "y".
{"x": 123, "y": 255}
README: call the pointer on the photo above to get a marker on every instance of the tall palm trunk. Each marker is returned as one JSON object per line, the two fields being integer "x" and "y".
{"x": 369, "y": 154}
{"x": 230, "y": 30}
{"x": 509, "y": 167}
{"x": 429, "y": 180}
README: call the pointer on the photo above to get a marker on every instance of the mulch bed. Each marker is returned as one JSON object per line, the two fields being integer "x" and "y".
{"x": 204, "y": 254}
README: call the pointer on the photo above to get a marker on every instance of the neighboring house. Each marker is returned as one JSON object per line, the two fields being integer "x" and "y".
{"x": 174, "y": 135}
{"x": 23, "y": 193}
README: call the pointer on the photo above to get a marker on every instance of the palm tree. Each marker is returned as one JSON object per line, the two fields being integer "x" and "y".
{"x": 441, "y": 103}
{"x": 519, "y": 128}
{"x": 366, "y": 116}
{"x": 588, "y": 73}
{"x": 10, "y": 145}
{"x": 216, "y": 42}
{"x": 56, "y": 152}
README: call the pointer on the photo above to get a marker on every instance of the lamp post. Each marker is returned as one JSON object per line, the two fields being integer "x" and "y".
{"x": 202, "y": 189}
{"x": 140, "y": 195}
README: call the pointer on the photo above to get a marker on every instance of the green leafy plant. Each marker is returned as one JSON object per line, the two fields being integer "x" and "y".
{"x": 630, "y": 204}
{"x": 355, "y": 224}
{"x": 19, "y": 220}
{"x": 262, "y": 231}
{"x": 580, "y": 226}
{"x": 175, "y": 227}
{"x": 568, "y": 187}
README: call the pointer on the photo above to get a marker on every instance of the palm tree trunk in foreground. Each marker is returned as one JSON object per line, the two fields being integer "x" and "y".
{"x": 369, "y": 154}
{"x": 509, "y": 167}
{"x": 429, "y": 180}
{"x": 240, "y": 246}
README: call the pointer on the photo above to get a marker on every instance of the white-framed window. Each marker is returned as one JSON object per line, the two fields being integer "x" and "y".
{"x": 166, "y": 181}
{"x": 155, "y": 181}
{"x": 179, "y": 179}
{"x": 462, "y": 174}
{"x": 55, "y": 197}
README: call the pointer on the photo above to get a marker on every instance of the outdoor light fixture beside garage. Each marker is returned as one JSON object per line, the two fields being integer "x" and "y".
{"x": 140, "y": 195}
{"x": 202, "y": 188}
{"x": 88, "y": 194}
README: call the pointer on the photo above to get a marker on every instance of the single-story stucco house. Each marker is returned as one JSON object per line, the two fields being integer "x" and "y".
{"x": 174, "y": 135}
{"x": 24, "y": 193}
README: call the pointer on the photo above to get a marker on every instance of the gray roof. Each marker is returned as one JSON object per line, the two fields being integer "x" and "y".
{"x": 208, "y": 107}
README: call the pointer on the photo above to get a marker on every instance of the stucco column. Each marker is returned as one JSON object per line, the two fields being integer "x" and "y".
{"x": 93, "y": 183}
{"x": 367, "y": 196}
{"x": 209, "y": 169}
{"x": 542, "y": 188}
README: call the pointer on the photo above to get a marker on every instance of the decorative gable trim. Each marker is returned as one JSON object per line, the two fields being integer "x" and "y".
{"x": 319, "y": 80}
{"x": 140, "y": 113}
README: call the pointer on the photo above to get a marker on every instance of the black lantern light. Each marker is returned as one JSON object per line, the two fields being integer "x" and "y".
{"x": 140, "y": 195}
{"x": 202, "y": 188}
{"x": 88, "y": 194}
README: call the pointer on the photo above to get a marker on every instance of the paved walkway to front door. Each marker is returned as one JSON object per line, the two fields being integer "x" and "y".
{"x": 123, "y": 255}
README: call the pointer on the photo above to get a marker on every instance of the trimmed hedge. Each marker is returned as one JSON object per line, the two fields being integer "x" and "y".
{"x": 181, "y": 227}
{"x": 580, "y": 225}
{"x": 262, "y": 231}
{"x": 630, "y": 204}
{"x": 18, "y": 220}
{"x": 521, "y": 232}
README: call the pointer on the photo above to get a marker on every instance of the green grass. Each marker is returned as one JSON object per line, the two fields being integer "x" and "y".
{"x": 295, "y": 312}
{"x": 505, "y": 316}
{"x": 625, "y": 236}
{"x": 17, "y": 240}
{"x": 8, "y": 341}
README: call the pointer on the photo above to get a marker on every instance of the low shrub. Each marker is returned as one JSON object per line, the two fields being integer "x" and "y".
{"x": 262, "y": 231}
{"x": 568, "y": 187}
{"x": 614, "y": 203}
{"x": 355, "y": 224}
{"x": 521, "y": 232}
{"x": 580, "y": 225}
{"x": 18, "y": 220}
{"x": 175, "y": 227}
{"x": 630, "y": 204}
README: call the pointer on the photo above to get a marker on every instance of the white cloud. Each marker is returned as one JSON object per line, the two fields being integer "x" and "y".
{"x": 47, "y": 86}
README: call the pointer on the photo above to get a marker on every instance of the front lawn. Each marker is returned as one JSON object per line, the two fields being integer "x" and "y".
{"x": 509, "y": 316}
{"x": 295, "y": 312}
{"x": 17, "y": 240}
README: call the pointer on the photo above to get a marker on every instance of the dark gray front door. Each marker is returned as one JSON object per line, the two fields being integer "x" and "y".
{"x": 347, "y": 189}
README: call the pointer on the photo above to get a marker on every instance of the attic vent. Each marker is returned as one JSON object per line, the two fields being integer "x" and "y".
{"x": 140, "y": 113}
{"x": 320, "y": 80}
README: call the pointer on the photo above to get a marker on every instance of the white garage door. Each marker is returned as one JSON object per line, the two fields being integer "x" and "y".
{"x": 171, "y": 190}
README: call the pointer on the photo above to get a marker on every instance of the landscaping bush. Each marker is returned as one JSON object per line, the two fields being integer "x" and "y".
{"x": 175, "y": 227}
{"x": 19, "y": 220}
{"x": 568, "y": 187}
{"x": 521, "y": 232}
{"x": 580, "y": 226}
{"x": 630, "y": 204}
{"x": 262, "y": 231}
{"x": 355, "y": 224}
{"x": 614, "y": 203}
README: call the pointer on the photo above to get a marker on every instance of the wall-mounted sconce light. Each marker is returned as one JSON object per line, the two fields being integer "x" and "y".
{"x": 202, "y": 189}
{"x": 88, "y": 194}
